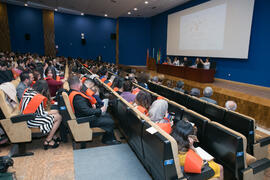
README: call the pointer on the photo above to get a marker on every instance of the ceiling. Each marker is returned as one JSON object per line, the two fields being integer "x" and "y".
{"x": 113, "y": 8}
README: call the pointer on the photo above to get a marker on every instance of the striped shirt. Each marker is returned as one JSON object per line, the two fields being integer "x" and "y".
{"x": 43, "y": 120}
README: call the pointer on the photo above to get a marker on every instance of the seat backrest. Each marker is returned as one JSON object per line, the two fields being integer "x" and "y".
{"x": 169, "y": 93}
{"x": 161, "y": 160}
{"x": 242, "y": 124}
{"x": 227, "y": 146}
{"x": 7, "y": 110}
{"x": 68, "y": 106}
{"x": 214, "y": 112}
{"x": 196, "y": 104}
{"x": 135, "y": 125}
{"x": 199, "y": 121}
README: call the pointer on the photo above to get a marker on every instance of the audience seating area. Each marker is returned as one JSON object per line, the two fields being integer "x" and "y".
{"x": 238, "y": 163}
{"x": 233, "y": 146}
{"x": 257, "y": 147}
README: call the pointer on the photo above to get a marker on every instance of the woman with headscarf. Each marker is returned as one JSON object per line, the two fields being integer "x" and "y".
{"x": 158, "y": 114}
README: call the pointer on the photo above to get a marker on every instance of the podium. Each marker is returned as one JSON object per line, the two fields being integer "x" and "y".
{"x": 151, "y": 64}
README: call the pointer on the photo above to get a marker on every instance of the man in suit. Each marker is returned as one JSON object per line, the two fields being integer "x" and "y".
{"x": 82, "y": 107}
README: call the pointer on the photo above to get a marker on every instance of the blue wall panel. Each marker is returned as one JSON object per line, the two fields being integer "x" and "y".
{"x": 97, "y": 31}
{"x": 253, "y": 70}
{"x": 134, "y": 39}
{"x": 24, "y": 20}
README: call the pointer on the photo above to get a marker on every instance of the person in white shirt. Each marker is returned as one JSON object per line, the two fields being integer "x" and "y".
{"x": 206, "y": 64}
{"x": 176, "y": 61}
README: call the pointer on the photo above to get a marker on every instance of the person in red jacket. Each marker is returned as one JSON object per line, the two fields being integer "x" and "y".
{"x": 53, "y": 84}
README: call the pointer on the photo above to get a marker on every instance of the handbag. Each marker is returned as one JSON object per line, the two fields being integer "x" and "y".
{"x": 5, "y": 162}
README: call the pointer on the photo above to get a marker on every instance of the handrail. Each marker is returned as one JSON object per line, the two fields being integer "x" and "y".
{"x": 147, "y": 119}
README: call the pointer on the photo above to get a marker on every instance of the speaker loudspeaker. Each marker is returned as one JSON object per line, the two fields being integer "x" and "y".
{"x": 83, "y": 41}
{"x": 27, "y": 36}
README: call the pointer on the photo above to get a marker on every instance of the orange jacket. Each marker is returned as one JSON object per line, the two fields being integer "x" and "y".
{"x": 74, "y": 93}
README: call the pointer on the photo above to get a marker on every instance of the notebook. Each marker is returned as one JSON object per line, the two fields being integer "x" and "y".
{"x": 203, "y": 154}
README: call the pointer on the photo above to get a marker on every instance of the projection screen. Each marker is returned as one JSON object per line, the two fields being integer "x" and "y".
{"x": 218, "y": 28}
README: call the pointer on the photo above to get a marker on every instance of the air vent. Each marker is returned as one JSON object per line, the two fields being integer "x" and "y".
{"x": 113, "y": 1}
{"x": 154, "y": 7}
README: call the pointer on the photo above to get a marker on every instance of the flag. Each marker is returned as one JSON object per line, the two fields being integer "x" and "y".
{"x": 147, "y": 57}
{"x": 158, "y": 56}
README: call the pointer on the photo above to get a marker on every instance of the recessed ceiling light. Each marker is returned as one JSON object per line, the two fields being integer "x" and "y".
{"x": 105, "y": 15}
{"x": 82, "y": 14}
{"x": 55, "y": 9}
{"x": 25, "y": 4}
{"x": 135, "y": 9}
{"x": 129, "y": 12}
{"x": 146, "y": 2}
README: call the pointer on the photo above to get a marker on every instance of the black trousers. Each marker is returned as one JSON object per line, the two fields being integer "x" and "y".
{"x": 106, "y": 123}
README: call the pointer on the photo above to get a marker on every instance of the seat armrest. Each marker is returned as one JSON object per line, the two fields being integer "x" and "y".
{"x": 85, "y": 119}
{"x": 22, "y": 117}
{"x": 260, "y": 165}
{"x": 264, "y": 141}
{"x": 206, "y": 173}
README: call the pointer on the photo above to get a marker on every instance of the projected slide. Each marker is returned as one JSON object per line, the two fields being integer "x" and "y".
{"x": 217, "y": 28}
{"x": 203, "y": 30}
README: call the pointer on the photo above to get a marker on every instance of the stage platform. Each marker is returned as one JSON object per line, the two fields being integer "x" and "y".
{"x": 251, "y": 100}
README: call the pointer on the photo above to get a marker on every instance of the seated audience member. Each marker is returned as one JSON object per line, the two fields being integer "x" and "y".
{"x": 48, "y": 122}
{"x": 176, "y": 61}
{"x": 5, "y": 74}
{"x": 132, "y": 77}
{"x": 206, "y": 64}
{"x": 161, "y": 78}
{"x": 117, "y": 85}
{"x": 103, "y": 74}
{"x": 154, "y": 79}
{"x": 54, "y": 85}
{"x": 179, "y": 86}
{"x": 169, "y": 84}
{"x": 185, "y": 135}
{"x": 143, "y": 78}
{"x": 195, "y": 92}
{"x": 21, "y": 65}
{"x": 126, "y": 94}
{"x": 158, "y": 114}
{"x": 82, "y": 107}
{"x": 87, "y": 86}
{"x": 143, "y": 102}
{"x": 231, "y": 105}
{"x": 26, "y": 80}
{"x": 207, "y": 93}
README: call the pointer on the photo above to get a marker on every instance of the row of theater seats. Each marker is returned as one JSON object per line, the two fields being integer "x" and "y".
{"x": 158, "y": 152}
{"x": 256, "y": 145}
{"x": 227, "y": 146}
{"x": 15, "y": 124}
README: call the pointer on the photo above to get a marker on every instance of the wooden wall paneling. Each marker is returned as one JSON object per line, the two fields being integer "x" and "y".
{"x": 5, "y": 44}
{"x": 48, "y": 31}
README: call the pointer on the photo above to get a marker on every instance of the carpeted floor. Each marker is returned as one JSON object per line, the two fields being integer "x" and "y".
{"x": 109, "y": 162}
